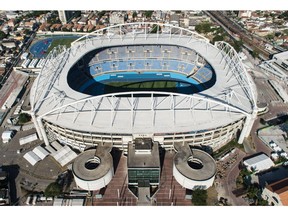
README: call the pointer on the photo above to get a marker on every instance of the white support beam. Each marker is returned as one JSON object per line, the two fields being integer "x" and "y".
{"x": 132, "y": 111}
{"x": 152, "y": 108}
{"x": 43, "y": 132}
{"x": 112, "y": 111}
{"x": 173, "y": 107}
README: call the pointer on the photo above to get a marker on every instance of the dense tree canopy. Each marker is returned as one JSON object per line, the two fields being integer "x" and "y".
{"x": 218, "y": 38}
{"x": 2, "y": 35}
{"x": 199, "y": 197}
{"x": 154, "y": 28}
{"x": 148, "y": 14}
{"x": 53, "y": 189}
{"x": 255, "y": 54}
{"x": 24, "y": 117}
{"x": 284, "y": 15}
{"x": 237, "y": 45}
{"x": 203, "y": 27}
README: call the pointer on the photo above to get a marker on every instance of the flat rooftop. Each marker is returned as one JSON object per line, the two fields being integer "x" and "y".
{"x": 184, "y": 154}
{"x": 101, "y": 157}
{"x": 147, "y": 159}
{"x": 279, "y": 186}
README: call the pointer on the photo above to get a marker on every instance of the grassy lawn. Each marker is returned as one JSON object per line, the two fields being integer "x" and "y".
{"x": 61, "y": 41}
{"x": 226, "y": 148}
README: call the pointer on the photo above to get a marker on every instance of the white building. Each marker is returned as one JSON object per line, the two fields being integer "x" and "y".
{"x": 280, "y": 90}
{"x": 65, "y": 16}
{"x": 11, "y": 15}
{"x": 277, "y": 66}
{"x": 7, "y": 136}
{"x": 212, "y": 120}
{"x": 9, "y": 44}
{"x": 93, "y": 170}
{"x": 245, "y": 14}
{"x": 194, "y": 168}
{"x": 116, "y": 18}
{"x": 258, "y": 163}
{"x": 24, "y": 56}
{"x": 32, "y": 158}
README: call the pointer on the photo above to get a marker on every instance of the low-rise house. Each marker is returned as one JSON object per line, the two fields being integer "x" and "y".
{"x": 9, "y": 43}
{"x": 67, "y": 27}
{"x": 55, "y": 27}
{"x": 83, "y": 20}
{"x": 44, "y": 27}
{"x": 88, "y": 28}
{"x": 11, "y": 22}
{"x": 29, "y": 25}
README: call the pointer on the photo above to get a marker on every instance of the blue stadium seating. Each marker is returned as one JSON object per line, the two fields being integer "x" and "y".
{"x": 174, "y": 60}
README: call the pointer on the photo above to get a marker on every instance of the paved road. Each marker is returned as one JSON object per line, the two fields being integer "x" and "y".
{"x": 231, "y": 180}
{"x": 259, "y": 145}
{"x": 226, "y": 185}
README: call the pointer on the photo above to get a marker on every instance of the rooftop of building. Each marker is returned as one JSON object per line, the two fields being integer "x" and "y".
{"x": 259, "y": 161}
{"x": 279, "y": 187}
{"x": 143, "y": 153}
{"x": 204, "y": 166}
{"x": 93, "y": 164}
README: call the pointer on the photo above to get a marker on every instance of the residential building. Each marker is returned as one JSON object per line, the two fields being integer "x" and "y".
{"x": 9, "y": 44}
{"x": 12, "y": 22}
{"x": 175, "y": 19}
{"x": 65, "y": 16}
{"x": 83, "y": 20}
{"x": 11, "y": 15}
{"x": 116, "y": 18}
{"x": 67, "y": 27}
{"x": 276, "y": 193}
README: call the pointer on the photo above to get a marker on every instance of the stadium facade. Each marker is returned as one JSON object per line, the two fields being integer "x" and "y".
{"x": 144, "y": 81}
{"x": 64, "y": 109}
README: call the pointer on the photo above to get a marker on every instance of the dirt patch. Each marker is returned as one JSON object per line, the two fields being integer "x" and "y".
{"x": 212, "y": 198}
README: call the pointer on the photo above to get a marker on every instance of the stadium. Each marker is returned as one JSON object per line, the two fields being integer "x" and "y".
{"x": 144, "y": 80}
{"x": 132, "y": 80}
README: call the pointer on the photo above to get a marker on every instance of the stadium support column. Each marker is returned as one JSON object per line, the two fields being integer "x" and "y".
{"x": 44, "y": 136}
{"x": 36, "y": 125}
{"x": 249, "y": 121}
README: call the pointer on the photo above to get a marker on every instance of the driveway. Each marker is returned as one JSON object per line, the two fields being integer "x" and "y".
{"x": 227, "y": 183}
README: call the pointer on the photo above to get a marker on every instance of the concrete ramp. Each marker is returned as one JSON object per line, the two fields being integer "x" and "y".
{"x": 144, "y": 196}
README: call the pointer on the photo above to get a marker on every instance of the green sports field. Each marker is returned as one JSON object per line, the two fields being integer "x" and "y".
{"x": 61, "y": 41}
{"x": 169, "y": 86}
{"x": 144, "y": 85}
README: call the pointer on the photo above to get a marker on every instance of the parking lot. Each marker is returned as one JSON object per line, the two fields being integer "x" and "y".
{"x": 28, "y": 177}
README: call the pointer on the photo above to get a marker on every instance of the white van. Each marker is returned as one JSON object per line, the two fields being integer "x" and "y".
{"x": 8, "y": 135}
{"x": 28, "y": 200}
{"x": 34, "y": 199}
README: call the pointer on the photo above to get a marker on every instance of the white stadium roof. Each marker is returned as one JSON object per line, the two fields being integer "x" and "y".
{"x": 231, "y": 98}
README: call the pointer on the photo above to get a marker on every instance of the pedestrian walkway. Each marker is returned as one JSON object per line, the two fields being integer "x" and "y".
{"x": 116, "y": 192}
{"x": 170, "y": 192}
{"x": 226, "y": 185}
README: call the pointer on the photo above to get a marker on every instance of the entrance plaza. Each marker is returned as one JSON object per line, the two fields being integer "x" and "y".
{"x": 170, "y": 192}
